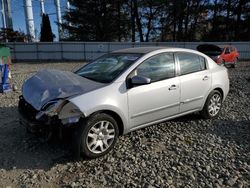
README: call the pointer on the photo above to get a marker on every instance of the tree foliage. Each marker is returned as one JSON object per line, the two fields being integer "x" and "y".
{"x": 158, "y": 20}
{"x": 46, "y": 31}
{"x": 96, "y": 20}
{"x": 9, "y": 35}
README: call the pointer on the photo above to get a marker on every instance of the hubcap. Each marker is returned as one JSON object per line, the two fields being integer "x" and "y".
{"x": 214, "y": 105}
{"x": 100, "y": 136}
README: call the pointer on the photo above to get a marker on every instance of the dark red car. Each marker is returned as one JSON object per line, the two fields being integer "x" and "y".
{"x": 226, "y": 55}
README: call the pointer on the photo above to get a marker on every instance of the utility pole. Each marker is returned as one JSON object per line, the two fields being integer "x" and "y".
{"x": 6, "y": 14}
{"x": 59, "y": 18}
{"x": 3, "y": 14}
{"x": 29, "y": 19}
{"x": 68, "y": 9}
{"x": 68, "y": 5}
{"x": 42, "y": 7}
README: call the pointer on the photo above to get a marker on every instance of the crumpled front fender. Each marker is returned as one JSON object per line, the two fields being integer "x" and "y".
{"x": 66, "y": 111}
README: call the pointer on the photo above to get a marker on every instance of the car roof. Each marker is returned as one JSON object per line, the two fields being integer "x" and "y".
{"x": 140, "y": 50}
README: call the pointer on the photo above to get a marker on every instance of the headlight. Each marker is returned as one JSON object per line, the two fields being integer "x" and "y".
{"x": 69, "y": 110}
{"x": 51, "y": 108}
{"x": 218, "y": 57}
{"x": 49, "y": 105}
{"x": 70, "y": 120}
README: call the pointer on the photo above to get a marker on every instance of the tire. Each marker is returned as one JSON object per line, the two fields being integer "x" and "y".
{"x": 212, "y": 105}
{"x": 95, "y": 136}
{"x": 234, "y": 65}
{"x": 223, "y": 63}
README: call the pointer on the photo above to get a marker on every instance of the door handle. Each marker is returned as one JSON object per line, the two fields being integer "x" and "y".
{"x": 205, "y": 78}
{"x": 172, "y": 87}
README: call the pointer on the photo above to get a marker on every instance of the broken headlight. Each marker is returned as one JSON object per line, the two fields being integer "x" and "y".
{"x": 51, "y": 109}
{"x": 70, "y": 113}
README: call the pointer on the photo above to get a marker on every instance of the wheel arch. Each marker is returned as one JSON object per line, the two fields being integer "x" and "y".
{"x": 116, "y": 116}
{"x": 219, "y": 90}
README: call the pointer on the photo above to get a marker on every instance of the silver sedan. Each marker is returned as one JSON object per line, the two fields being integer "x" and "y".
{"x": 123, "y": 91}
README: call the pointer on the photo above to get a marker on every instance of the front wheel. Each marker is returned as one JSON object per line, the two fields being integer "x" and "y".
{"x": 97, "y": 135}
{"x": 213, "y": 105}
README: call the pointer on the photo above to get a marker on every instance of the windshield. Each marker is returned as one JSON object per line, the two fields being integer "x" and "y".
{"x": 108, "y": 67}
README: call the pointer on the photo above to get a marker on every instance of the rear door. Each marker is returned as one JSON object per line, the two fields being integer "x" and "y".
{"x": 195, "y": 81}
{"x": 160, "y": 98}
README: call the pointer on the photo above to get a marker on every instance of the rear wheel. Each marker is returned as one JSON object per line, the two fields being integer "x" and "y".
{"x": 96, "y": 136}
{"x": 235, "y": 63}
{"x": 213, "y": 105}
{"x": 223, "y": 62}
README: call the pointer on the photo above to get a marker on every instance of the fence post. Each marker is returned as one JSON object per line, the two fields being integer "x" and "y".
{"x": 84, "y": 47}
{"x": 37, "y": 51}
{"x": 14, "y": 51}
{"x": 61, "y": 50}
{"x": 109, "y": 47}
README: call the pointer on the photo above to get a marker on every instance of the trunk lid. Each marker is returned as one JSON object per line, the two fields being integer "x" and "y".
{"x": 210, "y": 50}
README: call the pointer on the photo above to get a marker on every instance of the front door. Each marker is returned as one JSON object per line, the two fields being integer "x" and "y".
{"x": 160, "y": 98}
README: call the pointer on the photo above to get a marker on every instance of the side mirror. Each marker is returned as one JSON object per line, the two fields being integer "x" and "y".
{"x": 140, "y": 80}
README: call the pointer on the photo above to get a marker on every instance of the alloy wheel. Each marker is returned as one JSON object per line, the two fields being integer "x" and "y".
{"x": 100, "y": 137}
{"x": 214, "y": 105}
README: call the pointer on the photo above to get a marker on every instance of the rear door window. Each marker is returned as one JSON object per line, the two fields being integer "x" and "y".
{"x": 190, "y": 63}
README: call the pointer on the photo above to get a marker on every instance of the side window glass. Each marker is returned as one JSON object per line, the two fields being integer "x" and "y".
{"x": 190, "y": 63}
{"x": 158, "y": 67}
{"x": 203, "y": 63}
{"x": 227, "y": 51}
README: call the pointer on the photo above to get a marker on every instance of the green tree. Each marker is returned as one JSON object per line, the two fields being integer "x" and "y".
{"x": 229, "y": 21}
{"x": 96, "y": 20}
{"x": 9, "y": 35}
{"x": 46, "y": 31}
{"x": 158, "y": 20}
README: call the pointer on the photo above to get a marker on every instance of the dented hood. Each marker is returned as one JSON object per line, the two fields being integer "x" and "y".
{"x": 49, "y": 85}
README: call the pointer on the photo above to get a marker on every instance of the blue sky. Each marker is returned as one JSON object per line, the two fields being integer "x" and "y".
{"x": 19, "y": 18}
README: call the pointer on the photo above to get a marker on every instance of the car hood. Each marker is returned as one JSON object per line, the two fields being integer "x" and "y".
{"x": 48, "y": 85}
{"x": 209, "y": 49}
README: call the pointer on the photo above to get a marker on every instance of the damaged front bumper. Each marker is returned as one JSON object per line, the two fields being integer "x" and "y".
{"x": 57, "y": 115}
{"x": 28, "y": 118}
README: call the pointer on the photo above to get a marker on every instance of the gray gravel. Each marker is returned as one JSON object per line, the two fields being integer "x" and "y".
{"x": 185, "y": 152}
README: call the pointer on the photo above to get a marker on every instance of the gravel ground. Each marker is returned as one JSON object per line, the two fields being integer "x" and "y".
{"x": 185, "y": 152}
